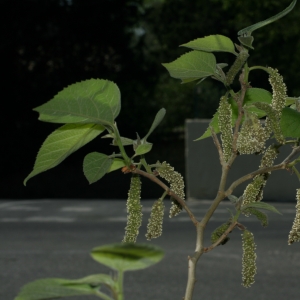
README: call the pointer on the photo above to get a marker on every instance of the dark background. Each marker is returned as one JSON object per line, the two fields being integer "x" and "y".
{"x": 49, "y": 44}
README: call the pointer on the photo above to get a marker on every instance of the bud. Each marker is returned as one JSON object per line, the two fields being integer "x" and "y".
{"x": 294, "y": 235}
{"x": 134, "y": 210}
{"x": 176, "y": 185}
{"x": 252, "y": 136}
{"x": 248, "y": 259}
{"x": 155, "y": 222}
{"x": 224, "y": 122}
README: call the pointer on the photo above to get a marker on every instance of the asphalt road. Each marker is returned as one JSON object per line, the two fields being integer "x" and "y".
{"x": 45, "y": 238}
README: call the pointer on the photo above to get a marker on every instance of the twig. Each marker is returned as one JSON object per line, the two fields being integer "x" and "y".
{"x": 217, "y": 144}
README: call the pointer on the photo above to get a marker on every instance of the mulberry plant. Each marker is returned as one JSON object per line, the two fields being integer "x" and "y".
{"x": 247, "y": 118}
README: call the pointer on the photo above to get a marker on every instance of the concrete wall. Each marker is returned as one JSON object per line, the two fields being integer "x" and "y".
{"x": 203, "y": 168}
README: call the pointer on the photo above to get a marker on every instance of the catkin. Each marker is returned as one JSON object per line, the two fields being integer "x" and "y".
{"x": 253, "y": 191}
{"x": 155, "y": 222}
{"x": 237, "y": 66}
{"x": 252, "y": 136}
{"x": 294, "y": 235}
{"x": 176, "y": 185}
{"x": 248, "y": 259}
{"x": 134, "y": 210}
{"x": 224, "y": 122}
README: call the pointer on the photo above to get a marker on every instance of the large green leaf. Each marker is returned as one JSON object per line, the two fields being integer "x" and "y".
{"x": 95, "y": 166}
{"x": 53, "y": 288}
{"x": 158, "y": 118}
{"x": 127, "y": 256}
{"x": 211, "y": 43}
{"x": 290, "y": 123}
{"x": 252, "y": 95}
{"x": 90, "y": 101}
{"x": 261, "y": 205}
{"x": 248, "y": 30}
{"x": 61, "y": 143}
{"x": 192, "y": 65}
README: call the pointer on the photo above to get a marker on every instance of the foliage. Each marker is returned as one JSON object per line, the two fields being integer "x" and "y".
{"x": 243, "y": 132}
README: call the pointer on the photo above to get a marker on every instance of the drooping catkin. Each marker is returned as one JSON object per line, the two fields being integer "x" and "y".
{"x": 272, "y": 122}
{"x": 252, "y": 136}
{"x": 237, "y": 66}
{"x": 134, "y": 210}
{"x": 225, "y": 126}
{"x": 279, "y": 89}
{"x": 248, "y": 259}
{"x": 268, "y": 157}
{"x": 176, "y": 185}
{"x": 218, "y": 232}
{"x": 155, "y": 222}
{"x": 253, "y": 191}
{"x": 294, "y": 235}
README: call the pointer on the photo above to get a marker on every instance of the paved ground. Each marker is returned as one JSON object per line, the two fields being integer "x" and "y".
{"x": 52, "y": 239}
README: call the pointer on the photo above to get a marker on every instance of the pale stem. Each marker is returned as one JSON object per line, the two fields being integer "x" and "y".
{"x": 120, "y": 295}
{"x": 102, "y": 295}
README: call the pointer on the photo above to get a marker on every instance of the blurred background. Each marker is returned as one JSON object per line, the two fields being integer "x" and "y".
{"x": 47, "y": 45}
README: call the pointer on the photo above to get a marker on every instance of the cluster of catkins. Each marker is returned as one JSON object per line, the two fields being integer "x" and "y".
{"x": 134, "y": 207}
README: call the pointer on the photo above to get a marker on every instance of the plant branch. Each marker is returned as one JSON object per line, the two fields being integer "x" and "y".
{"x": 284, "y": 165}
{"x": 169, "y": 192}
{"x": 102, "y": 295}
{"x": 217, "y": 144}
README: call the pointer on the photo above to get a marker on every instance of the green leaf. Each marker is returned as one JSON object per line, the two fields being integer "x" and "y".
{"x": 143, "y": 149}
{"x": 211, "y": 43}
{"x": 261, "y": 205}
{"x": 192, "y": 65}
{"x": 61, "y": 143}
{"x": 53, "y": 288}
{"x": 127, "y": 256}
{"x": 252, "y": 95}
{"x": 290, "y": 123}
{"x": 257, "y": 95}
{"x": 246, "y": 41}
{"x": 158, "y": 118}
{"x": 116, "y": 164}
{"x": 248, "y": 30}
{"x": 125, "y": 141}
{"x": 95, "y": 166}
{"x": 95, "y": 280}
{"x": 90, "y": 101}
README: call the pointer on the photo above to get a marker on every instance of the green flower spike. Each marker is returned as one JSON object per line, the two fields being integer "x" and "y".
{"x": 134, "y": 210}
{"x": 294, "y": 235}
{"x": 224, "y": 122}
{"x": 279, "y": 91}
{"x": 237, "y": 66}
{"x": 252, "y": 136}
{"x": 154, "y": 227}
{"x": 248, "y": 259}
{"x": 268, "y": 157}
{"x": 176, "y": 185}
{"x": 217, "y": 233}
{"x": 253, "y": 191}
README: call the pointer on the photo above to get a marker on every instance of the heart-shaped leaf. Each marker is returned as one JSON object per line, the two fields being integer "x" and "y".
{"x": 95, "y": 166}
{"x": 61, "y": 143}
{"x": 90, "y": 101}
{"x": 127, "y": 256}
{"x": 192, "y": 66}
{"x": 143, "y": 149}
{"x": 116, "y": 164}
